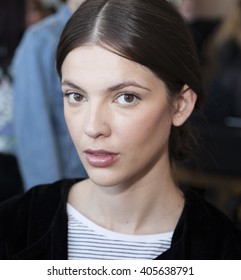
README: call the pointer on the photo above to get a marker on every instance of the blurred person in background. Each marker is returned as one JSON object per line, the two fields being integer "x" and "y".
{"x": 219, "y": 127}
{"x": 223, "y": 71}
{"x": 202, "y": 18}
{"x": 12, "y": 26}
{"x": 43, "y": 146}
{"x": 36, "y": 10}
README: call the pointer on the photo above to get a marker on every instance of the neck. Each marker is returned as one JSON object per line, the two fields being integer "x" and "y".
{"x": 138, "y": 209}
{"x": 144, "y": 207}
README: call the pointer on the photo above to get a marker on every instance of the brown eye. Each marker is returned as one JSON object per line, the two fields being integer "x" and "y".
{"x": 77, "y": 97}
{"x": 74, "y": 98}
{"x": 127, "y": 99}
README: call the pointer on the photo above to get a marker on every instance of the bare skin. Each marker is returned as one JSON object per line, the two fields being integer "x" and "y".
{"x": 119, "y": 118}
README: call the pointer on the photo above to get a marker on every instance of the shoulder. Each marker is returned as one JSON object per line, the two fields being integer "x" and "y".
{"x": 200, "y": 209}
{"x": 27, "y": 217}
{"x": 40, "y": 202}
{"x": 38, "y": 194}
{"x": 17, "y": 205}
{"x": 202, "y": 212}
{"x": 211, "y": 230}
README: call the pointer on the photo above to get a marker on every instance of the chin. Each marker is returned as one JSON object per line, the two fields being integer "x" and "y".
{"x": 105, "y": 178}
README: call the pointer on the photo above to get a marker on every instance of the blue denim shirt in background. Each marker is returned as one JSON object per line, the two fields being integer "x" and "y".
{"x": 43, "y": 146}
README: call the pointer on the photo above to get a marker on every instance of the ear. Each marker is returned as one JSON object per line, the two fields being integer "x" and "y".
{"x": 184, "y": 105}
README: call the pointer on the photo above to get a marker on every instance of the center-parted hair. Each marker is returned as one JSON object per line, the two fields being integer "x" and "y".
{"x": 151, "y": 33}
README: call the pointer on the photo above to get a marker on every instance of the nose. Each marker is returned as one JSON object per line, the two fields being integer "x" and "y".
{"x": 98, "y": 121}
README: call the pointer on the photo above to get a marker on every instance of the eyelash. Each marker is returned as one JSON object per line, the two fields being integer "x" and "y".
{"x": 135, "y": 97}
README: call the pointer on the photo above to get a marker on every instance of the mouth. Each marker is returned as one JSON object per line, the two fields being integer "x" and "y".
{"x": 100, "y": 158}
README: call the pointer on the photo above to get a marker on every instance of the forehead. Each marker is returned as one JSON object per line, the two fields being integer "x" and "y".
{"x": 93, "y": 62}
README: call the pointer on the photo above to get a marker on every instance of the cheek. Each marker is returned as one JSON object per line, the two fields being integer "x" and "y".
{"x": 147, "y": 128}
{"x": 74, "y": 125}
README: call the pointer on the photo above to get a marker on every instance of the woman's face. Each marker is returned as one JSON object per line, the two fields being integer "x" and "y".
{"x": 118, "y": 116}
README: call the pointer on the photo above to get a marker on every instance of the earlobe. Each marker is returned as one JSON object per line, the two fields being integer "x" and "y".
{"x": 184, "y": 105}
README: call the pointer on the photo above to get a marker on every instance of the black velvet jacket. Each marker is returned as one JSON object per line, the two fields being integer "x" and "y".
{"x": 34, "y": 226}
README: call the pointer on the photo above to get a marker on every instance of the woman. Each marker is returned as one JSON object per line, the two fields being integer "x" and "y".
{"x": 130, "y": 81}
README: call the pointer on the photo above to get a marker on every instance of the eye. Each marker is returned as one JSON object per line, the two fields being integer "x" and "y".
{"x": 127, "y": 99}
{"x": 74, "y": 97}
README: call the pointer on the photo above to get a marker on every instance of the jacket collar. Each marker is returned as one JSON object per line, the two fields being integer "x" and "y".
{"x": 195, "y": 236}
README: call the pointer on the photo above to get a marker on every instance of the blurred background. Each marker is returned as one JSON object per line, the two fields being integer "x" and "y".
{"x": 215, "y": 166}
{"x": 16, "y": 16}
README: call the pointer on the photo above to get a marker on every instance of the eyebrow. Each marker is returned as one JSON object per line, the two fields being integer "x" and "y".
{"x": 127, "y": 84}
{"x": 119, "y": 86}
{"x": 72, "y": 85}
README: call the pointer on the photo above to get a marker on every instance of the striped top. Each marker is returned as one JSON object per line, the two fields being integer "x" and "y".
{"x": 87, "y": 240}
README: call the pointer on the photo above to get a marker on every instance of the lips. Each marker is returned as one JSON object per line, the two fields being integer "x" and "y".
{"x": 100, "y": 158}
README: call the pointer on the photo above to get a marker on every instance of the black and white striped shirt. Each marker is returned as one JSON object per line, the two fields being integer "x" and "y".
{"x": 86, "y": 240}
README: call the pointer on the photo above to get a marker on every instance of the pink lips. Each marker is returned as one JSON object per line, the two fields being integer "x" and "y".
{"x": 100, "y": 158}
